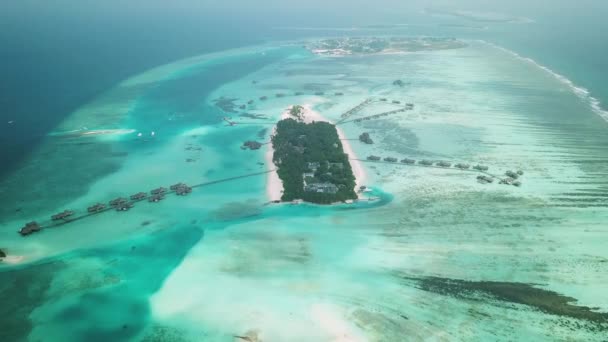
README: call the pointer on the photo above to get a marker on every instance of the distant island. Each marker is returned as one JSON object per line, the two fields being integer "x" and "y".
{"x": 377, "y": 45}
{"x": 311, "y": 162}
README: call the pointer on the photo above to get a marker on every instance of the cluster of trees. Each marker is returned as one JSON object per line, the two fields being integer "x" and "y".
{"x": 297, "y": 111}
{"x": 295, "y": 145}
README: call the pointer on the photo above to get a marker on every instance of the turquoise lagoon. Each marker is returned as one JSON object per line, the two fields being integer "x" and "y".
{"x": 439, "y": 257}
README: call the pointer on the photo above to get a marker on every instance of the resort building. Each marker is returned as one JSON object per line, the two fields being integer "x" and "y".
{"x": 327, "y": 188}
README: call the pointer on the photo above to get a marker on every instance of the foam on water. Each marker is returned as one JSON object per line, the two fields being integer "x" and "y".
{"x": 583, "y": 93}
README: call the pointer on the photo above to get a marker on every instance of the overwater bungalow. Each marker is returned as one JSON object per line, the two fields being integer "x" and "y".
{"x": 426, "y": 162}
{"x": 484, "y": 179}
{"x": 250, "y": 102}
{"x": 328, "y": 188}
{"x": 358, "y": 120}
{"x": 183, "y": 190}
{"x": 30, "y": 228}
{"x": 390, "y": 159}
{"x": 156, "y": 198}
{"x": 158, "y": 191}
{"x": 319, "y": 93}
{"x": 480, "y": 168}
{"x": 242, "y": 106}
{"x": 409, "y": 106}
{"x": 517, "y": 183}
{"x": 298, "y": 93}
{"x": 279, "y": 95}
{"x": 396, "y": 102}
{"x": 123, "y": 206}
{"x": 444, "y": 164}
{"x": 520, "y": 172}
{"x": 138, "y": 196}
{"x": 117, "y": 201}
{"x": 62, "y": 215}
{"x": 96, "y": 208}
{"x": 252, "y": 145}
{"x": 263, "y": 98}
{"x": 512, "y": 174}
{"x": 365, "y": 138}
{"x": 176, "y": 186}
{"x": 339, "y": 94}
{"x": 462, "y": 166}
{"x": 408, "y": 161}
{"x": 383, "y": 99}
{"x": 373, "y": 158}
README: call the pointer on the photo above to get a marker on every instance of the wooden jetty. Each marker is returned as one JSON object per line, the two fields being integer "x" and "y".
{"x": 123, "y": 204}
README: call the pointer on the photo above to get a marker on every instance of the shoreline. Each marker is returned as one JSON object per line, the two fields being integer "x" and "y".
{"x": 274, "y": 185}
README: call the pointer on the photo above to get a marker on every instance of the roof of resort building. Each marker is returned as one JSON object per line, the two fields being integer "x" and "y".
{"x": 321, "y": 188}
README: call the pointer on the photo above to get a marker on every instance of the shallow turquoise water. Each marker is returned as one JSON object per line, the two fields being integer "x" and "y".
{"x": 221, "y": 262}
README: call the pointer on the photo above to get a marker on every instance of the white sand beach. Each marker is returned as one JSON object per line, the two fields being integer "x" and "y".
{"x": 274, "y": 186}
{"x": 12, "y": 259}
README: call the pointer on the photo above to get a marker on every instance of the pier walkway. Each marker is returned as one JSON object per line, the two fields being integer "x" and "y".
{"x": 374, "y": 116}
{"x": 354, "y": 110}
{"x": 78, "y": 217}
{"x": 427, "y": 166}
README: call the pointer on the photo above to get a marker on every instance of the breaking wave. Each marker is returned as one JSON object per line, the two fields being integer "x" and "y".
{"x": 579, "y": 91}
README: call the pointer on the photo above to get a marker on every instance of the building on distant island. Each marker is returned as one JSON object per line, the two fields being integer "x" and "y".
{"x": 365, "y": 138}
{"x": 373, "y": 158}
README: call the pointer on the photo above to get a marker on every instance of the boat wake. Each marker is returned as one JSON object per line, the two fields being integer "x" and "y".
{"x": 581, "y": 92}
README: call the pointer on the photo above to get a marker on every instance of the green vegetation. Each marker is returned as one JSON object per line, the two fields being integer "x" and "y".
{"x": 297, "y": 146}
{"x": 297, "y": 111}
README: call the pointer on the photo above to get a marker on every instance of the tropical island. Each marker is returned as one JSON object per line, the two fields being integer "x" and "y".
{"x": 381, "y": 45}
{"x": 311, "y": 162}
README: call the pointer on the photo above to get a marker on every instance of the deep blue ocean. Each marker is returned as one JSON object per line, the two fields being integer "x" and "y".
{"x": 56, "y": 57}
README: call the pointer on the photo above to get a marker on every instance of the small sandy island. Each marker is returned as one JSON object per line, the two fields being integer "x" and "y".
{"x": 12, "y": 259}
{"x": 274, "y": 186}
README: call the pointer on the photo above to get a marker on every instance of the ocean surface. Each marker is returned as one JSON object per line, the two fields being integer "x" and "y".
{"x": 438, "y": 256}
